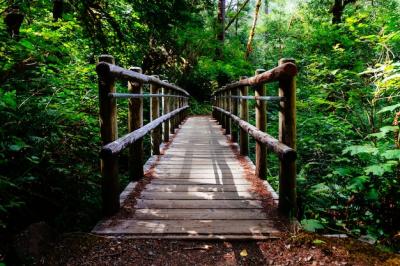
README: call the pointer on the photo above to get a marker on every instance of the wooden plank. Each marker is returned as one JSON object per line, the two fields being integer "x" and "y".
{"x": 204, "y": 171}
{"x": 195, "y": 188}
{"x": 191, "y": 227}
{"x": 201, "y": 181}
{"x": 215, "y": 176}
{"x": 166, "y": 167}
{"x": 197, "y": 204}
{"x": 192, "y": 195}
{"x": 200, "y": 214}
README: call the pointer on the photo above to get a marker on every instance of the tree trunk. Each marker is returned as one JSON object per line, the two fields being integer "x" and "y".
{"x": 253, "y": 29}
{"x": 338, "y": 8}
{"x": 58, "y": 6}
{"x": 220, "y": 28}
{"x": 13, "y": 20}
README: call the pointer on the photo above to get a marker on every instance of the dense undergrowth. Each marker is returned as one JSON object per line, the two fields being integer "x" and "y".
{"x": 348, "y": 102}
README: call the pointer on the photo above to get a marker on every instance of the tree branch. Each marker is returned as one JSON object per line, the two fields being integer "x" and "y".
{"x": 237, "y": 14}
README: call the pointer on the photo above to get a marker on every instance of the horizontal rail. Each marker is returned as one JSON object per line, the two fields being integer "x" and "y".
{"x": 259, "y": 98}
{"x": 115, "y": 147}
{"x": 119, "y": 72}
{"x": 283, "y": 71}
{"x": 133, "y": 95}
{"x": 283, "y": 151}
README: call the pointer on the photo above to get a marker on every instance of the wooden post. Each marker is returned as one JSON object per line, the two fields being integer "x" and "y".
{"x": 235, "y": 108}
{"x": 166, "y": 110}
{"x": 244, "y": 115}
{"x": 172, "y": 108}
{"x": 228, "y": 108}
{"x": 135, "y": 121}
{"x": 155, "y": 111}
{"x": 109, "y": 133}
{"x": 223, "y": 103}
{"x": 287, "y": 135}
{"x": 219, "y": 115}
{"x": 261, "y": 149}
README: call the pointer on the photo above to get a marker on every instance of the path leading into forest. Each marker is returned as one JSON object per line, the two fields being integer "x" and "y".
{"x": 198, "y": 190}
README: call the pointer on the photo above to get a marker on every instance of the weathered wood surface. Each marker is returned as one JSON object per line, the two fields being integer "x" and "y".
{"x": 283, "y": 151}
{"x": 120, "y": 144}
{"x": 119, "y": 72}
{"x": 199, "y": 192}
{"x": 283, "y": 71}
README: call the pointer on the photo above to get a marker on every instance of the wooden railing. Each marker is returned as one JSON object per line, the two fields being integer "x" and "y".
{"x": 229, "y": 106}
{"x": 174, "y": 106}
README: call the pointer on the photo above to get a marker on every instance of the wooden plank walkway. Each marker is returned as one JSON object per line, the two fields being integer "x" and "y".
{"x": 199, "y": 192}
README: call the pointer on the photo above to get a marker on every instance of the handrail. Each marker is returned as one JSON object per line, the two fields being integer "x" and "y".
{"x": 115, "y": 147}
{"x": 226, "y": 106}
{"x": 173, "y": 110}
{"x": 122, "y": 73}
{"x": 283, "y": 151}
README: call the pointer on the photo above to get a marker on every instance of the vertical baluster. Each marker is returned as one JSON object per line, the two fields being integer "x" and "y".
{"x": 172, "y": 108}
{"x": 244, "y": 115}
{"x": 166, "y": 110}
{"x": 155, "y": 111}
{"x": 235, "y": 108}
{"x": 261, "y": 150}
{"x": 228, "y": 108}
{"x": 135, "y": 121}
{"x": 109, "y": 133}
{"x": 287, "y": 135}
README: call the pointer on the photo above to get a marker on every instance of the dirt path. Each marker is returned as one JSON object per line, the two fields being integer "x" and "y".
{"x": 302, "y": 249}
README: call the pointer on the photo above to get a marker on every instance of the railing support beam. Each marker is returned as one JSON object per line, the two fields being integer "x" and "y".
{"x": 261, "y": 150}
{"x": 109, "y": 133}
{"x": 155, "y": 112}
{"x": 244, "y": 115}
{"x": 135, "y": 121}
{"x": 287, "y": 135}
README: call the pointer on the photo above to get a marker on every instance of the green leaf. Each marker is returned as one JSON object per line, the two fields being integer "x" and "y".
{"x": 392, "y": 154}
{"x": 390, "y": 108}
{"x": 357, "y": 149}
{"x": 358, "y": 183}
{"x": 318, "y": 242}
{"x": 27, "y": 44}
{"x": 311, "y": 225}
{"x": 372, "y": 194}
{"x": 379, "y": 169}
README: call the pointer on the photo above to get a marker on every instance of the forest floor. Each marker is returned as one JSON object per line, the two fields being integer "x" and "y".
{"x": 300, "y": 249}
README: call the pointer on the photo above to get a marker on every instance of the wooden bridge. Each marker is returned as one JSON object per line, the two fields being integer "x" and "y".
{"x": 201, "y": 185}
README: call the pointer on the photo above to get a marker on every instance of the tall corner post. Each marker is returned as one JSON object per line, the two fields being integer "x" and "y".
{"x": 135, "y": 121}
{"x": 261, "y": 124}
{"x": 244, "y": 115}
{"x": 154, "y": 114}
{"x": 287, "y": 135}
{"x": 109, "y": 133}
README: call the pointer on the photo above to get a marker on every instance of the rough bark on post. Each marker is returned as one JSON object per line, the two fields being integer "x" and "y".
{"x": 228, "y": 108}
{"x": 235, "y": 108}
{"x": 166, "y": 110}
{"x": 244, "y": 114}
{"x": 135, "y": 121}
{"x": 155, "y": 112}
{"x": 287, "y": 135}
{"x": 109, "y": 133}
{"x": 261, "y": 149}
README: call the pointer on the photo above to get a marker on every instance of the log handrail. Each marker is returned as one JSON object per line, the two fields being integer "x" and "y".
{"x": 285, "y": 147}
{"x": 112, "y": 146}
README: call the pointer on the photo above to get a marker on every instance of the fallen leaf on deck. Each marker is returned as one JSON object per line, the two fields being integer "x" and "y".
{"x": 244, "y": 253}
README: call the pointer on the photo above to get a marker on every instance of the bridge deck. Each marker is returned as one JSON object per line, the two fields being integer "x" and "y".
{"x": 199, "y": 191}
